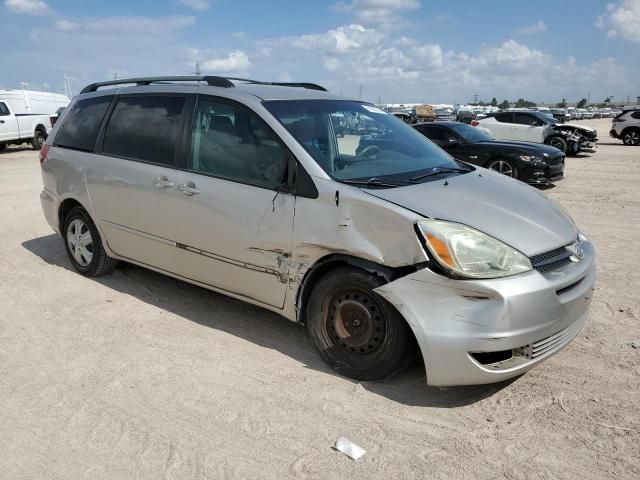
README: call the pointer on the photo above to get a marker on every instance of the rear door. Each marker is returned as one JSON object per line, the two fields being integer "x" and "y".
{"x": 501, "y": 125}
{"x": 132, "y": 182}
{"x": 8, "y": 124}
{"x": 235, "y": 226}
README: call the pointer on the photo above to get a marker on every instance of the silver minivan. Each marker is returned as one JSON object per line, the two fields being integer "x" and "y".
{"x": 381, "y": 244}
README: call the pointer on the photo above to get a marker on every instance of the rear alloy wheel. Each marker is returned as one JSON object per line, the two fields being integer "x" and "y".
{"x": 631, "y": 136}
{"x": 84, "y": 245}
{"x": 504, "y": 167}
{"x": 357, "y": 332}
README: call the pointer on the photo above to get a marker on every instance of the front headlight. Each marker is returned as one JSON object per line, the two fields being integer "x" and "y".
{"x": 470, "y": 253}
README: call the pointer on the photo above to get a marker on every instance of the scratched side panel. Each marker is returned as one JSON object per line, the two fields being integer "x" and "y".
{"x": 357, "y": 224}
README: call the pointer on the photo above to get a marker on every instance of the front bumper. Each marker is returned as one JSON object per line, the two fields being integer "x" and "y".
{"x": 613, "y": 133}
{"x": 460, "y": 323}
{"x": 544, "y": 173}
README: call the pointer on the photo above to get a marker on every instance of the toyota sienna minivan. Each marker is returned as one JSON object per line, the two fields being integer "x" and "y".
{"x": 367, "y": 233}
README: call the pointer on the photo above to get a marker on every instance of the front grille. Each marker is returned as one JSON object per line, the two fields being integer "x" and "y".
{"x": 551, "y": 260}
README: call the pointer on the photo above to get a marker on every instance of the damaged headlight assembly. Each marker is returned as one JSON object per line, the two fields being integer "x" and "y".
{"x": 466, "y": 252}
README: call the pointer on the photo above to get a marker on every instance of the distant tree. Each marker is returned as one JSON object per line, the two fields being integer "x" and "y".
{"x": 494, "y": 102}
{"x": 582, "y": 103}
{"x": 522, "y": 103}
{"x": 504, "y": 105}
{"x": 562, "y": 104}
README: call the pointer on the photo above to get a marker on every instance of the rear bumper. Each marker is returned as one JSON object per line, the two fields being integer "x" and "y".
{"x": 520, "y": 321}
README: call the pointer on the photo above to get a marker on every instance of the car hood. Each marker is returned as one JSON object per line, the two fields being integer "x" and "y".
{"x": 575, "y": 125}
{"x": 504, "y": 208}
{"x": 529, "y": 147}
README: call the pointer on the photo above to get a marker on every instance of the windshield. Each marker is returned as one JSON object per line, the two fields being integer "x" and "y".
{"x": 470, "y": 134}
{"x": 371, "y": 145}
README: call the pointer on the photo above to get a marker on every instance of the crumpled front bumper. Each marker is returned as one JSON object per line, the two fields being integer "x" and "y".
{"x": 530, "y": 317}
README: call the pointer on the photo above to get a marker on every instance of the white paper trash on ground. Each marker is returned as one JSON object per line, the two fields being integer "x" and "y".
{"x": 349, "y": 448}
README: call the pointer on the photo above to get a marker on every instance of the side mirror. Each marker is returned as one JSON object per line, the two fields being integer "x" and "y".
{"x": 534, "y": 124}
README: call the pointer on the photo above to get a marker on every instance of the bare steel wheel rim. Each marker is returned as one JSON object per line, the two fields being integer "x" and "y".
{"x": 355, "y": 321}
{"x": 80, "y": 242}
{"x": 502, "y": 167}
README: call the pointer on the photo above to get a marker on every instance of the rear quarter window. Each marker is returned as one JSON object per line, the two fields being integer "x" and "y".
{"x": 4, "y": 111}
{"x": 81, "y": 124}
{"x": 145, "y": 128}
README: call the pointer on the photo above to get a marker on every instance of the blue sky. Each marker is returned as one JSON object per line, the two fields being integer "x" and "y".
{"x": 398, "y": 50}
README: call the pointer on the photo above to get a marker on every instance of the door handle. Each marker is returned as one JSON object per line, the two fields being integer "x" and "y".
{"x": 188, "y": 188}
{"x": 474, "y": 157}
{"x": 1, "y": 121}
{"x": 163, "y": 182}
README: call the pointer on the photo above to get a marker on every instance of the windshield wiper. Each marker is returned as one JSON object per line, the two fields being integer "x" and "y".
{"x": 372, "y": 182}
{"x": 438, "y": 170}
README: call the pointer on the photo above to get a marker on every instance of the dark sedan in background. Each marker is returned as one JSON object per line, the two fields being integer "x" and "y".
{"x": 533, "y": 163}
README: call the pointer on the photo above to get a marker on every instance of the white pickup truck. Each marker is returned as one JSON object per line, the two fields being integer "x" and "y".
{"x": 25, "y": 117}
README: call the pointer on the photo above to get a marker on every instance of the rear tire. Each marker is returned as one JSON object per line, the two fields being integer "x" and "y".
{"x": 84, "y": 245}
{"x": 558, "y": 142}
{"x": 357, "y": 332}
{"x": 38, "y": 140}
{"x": 631, "y": 136}
{"x": 3, "y": 147}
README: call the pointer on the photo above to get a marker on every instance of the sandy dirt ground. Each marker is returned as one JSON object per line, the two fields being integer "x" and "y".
{"x": 136, "y": 375}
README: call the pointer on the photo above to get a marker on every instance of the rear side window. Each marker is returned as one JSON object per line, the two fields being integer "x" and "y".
{"x": 504, "y": 117}
{"x": 82, "y": 123}
{"x": 145, "y": 128}
{"x": 4, "y": 111}
{"x": 525, "y": 119}
{"x": 431, "y": 133}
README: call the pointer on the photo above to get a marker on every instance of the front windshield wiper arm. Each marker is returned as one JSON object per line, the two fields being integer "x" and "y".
{"x": 438, "y": 170}
{"x": 372, "y": 182}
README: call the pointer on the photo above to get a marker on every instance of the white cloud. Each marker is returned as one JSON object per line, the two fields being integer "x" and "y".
{"x": 621, "y": 19}
{"x": 430, "y": 53}
{"x": 237, "y": 61}
{"x": 537, "y": 27}
{"x": 66, "y": 25}
{"x": 197, "y": 5}
{"x": 28, "y": 7}
{"x": 384, "y": 13}
{"x": 127, "y": 24}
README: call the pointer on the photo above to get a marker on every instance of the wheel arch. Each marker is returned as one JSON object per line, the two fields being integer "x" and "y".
{"x": 65, "y": 207}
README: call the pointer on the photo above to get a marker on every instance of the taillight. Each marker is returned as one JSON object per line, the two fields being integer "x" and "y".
{"x": 474, "y": 123}
{"x": 44, "y": 151}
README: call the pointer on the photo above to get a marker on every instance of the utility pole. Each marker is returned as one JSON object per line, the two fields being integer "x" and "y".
{"x": 475, "y": 99}
{"x": 197, "y": 70}
{"x": 67, "y": 86}
{"x": 45, "y": 87}
{"x": 24, "y": 86}
{"x": 115, "y": 75}
{"x": 360, "y": 92}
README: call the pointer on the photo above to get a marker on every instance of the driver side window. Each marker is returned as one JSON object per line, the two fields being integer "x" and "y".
{"x": 230, "y": 142}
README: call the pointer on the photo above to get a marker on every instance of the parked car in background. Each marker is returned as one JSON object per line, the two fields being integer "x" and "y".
{"x": 55, "y": 116}
{"x": 442, "y": 114}
{"x": 533, "y": 163}
{"x": 626, "y": 126}
{"x": 405, "y": 117}
{"x": 465, "y": 116}
{"x": 561, "y": 115}
{"x": 540, "y": 128}
{"x": 381, "y": 244}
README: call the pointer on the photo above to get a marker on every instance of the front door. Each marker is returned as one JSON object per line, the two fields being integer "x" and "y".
{"x": 235, "y": 229}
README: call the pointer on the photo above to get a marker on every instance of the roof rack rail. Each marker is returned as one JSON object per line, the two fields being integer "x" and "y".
{"x": 309, "y": 86}
{"x": 211, "y": 80}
